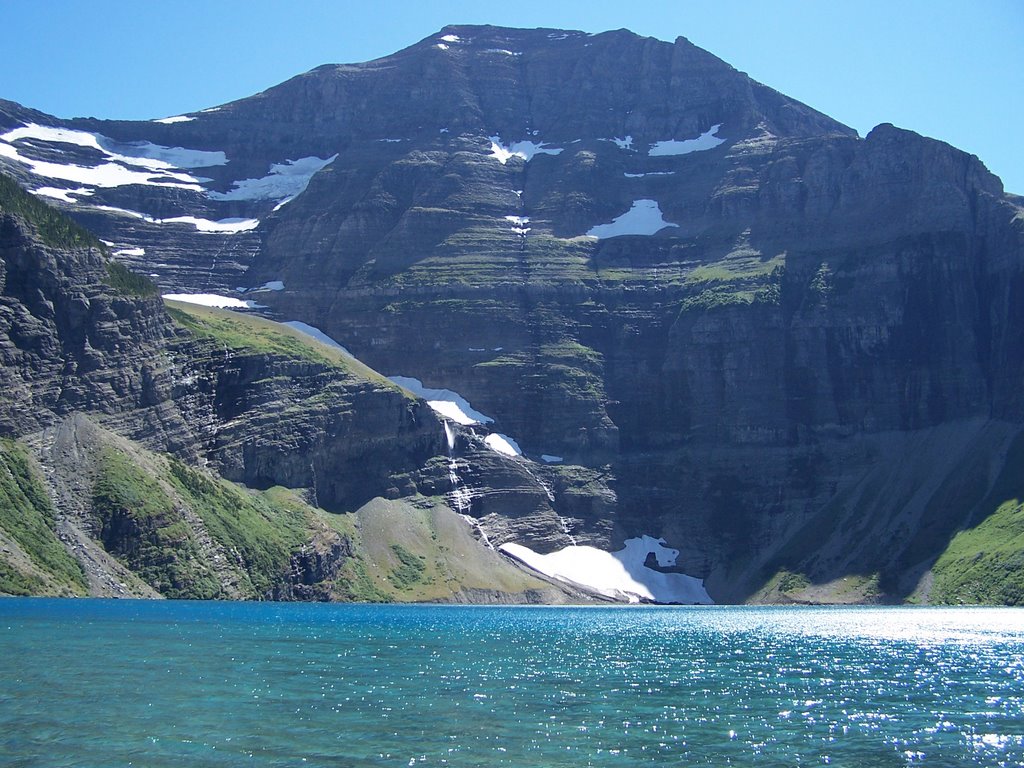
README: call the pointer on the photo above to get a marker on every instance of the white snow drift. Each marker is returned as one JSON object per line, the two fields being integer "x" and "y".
{"x": 315, "y": 333}
{"x": 123, "y": 163}
{"x": 620, "y": 575}
{"x": 270, "y": 285}
{"x": 503, "y": 444}
{"x": 643, "y": 218}
{"x": 705, "y": 141}
{"x": 213, "y": 300}
{"x": 284, "y": 181}
{"x": 223, "y": 226}
{"x": 444, "y": 402}
{"x": 527, "y": 150}
{"x": 62, "y": 194}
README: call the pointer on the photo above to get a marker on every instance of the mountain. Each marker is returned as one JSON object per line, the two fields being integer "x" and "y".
{"x": 704, "y": 312}
{"x": 124, "y": 423}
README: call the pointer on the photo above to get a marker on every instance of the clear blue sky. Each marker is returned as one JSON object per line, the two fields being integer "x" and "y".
{"x": 950, "y": 70}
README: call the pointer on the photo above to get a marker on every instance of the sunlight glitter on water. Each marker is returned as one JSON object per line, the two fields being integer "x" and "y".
{"x": 156, "y": 684}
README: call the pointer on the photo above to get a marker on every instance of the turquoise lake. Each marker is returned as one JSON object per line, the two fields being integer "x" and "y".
{"x": 134, "y": 683}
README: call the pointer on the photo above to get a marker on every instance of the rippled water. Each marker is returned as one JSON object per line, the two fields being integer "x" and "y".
{"x": 104, "y": 683}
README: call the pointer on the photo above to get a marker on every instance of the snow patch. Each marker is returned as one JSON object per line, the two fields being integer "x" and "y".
{"x": 503, "y": 444}
{"x": 444, "y": 402}
{"x": 139, "y": 153}
{"x": 451, "y": 38}
{"x": 161, "y": 163}
{"x": 621, "y": 575}
{"x": 228, "y": 226}
{"x": 315, "y": 333}
{"x": 547, "y": 458}
{"x": 527, "y": 150}
{"x": 705, "y": 141}
{"x": 442, "y": 46}
{"x": 272, "y": 285}
{"x": 502, "y": 51}
{"x": 159, "y": 157}
{"x": 224, "y": 226}
{"x": 643, "y": 218}
{"x": 131, "y": 252}
{"x": 105, "y": 175}
{"x": 519, "y": 224}
{"x": 624, "y": 143}
{"x": 62, "y": 194}
{"x": 285, "y": 181}
{"x": 175, "y": 119}
{"x": 213, "y": 300}
{"x": 649, "y": 173}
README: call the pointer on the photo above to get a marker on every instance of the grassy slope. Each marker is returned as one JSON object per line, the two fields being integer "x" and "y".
{"x": 932, "y": 507}
{"x": 418, "y": 552}
{"x": 256, "y": 334}
{"x": 145, "y": 528}
{"x": 259, "y": 530}
{"x": 190, "y": 534}
{"x": 985, "y": 562}
{"x": 35, "y": 561}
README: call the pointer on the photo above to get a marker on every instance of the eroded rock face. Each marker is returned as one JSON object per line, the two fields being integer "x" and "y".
{"x": 71, "y": 343}
{"x": 312, "y": 569}
{"x": 265, "y": 420}
{"x": 724, "y": 310}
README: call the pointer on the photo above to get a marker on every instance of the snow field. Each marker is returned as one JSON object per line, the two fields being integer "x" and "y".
{"x": 284, "y": 181}
{"x": 444, "y": 402}
{"x": 705, "y": 141}
{"x": 223, "y": 226}
{"x": 643, "y": 218}
{"x": 527, "y": 150}
{"x": 316, "y": 333}
{"x": 212, "y": 300}
{"x": 620, "y": 575}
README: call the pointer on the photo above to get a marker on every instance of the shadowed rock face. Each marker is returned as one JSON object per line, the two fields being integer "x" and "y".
{"x": 71, "y": 341}
{"x": 811, "y": 309}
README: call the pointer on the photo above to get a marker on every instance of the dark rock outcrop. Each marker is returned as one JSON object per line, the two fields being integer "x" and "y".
{"x": 794, "y": 311}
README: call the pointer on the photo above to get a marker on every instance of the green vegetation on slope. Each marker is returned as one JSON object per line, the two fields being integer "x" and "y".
{"x": 27, "y": 517}
{"x": 410, "y": 569}
{"x": 129, "y": 283}
{"x": 61, "y": 231}
{"x": 742, "y": 277}
{"x": 421, "y": 552}
{"x": 984, "y": 564}
{"x": 256, "y": 334}
{"x": 260, "y": 531}
{"x": 142, "y": 526}
{"x": 54, "y": 227}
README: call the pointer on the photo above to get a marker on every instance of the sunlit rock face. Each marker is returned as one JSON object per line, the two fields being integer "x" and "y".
{"x": 740, "y": 327}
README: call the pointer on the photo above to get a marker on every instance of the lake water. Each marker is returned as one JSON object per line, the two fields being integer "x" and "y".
{"x": 133, "y": 683}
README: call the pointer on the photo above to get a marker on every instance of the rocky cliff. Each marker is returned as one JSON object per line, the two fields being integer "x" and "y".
{"x": 123, "y": 424}
{"x": 704, "y": 311}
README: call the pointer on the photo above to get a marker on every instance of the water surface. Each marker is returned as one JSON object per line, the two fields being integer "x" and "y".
{"x": 134, "y": 683}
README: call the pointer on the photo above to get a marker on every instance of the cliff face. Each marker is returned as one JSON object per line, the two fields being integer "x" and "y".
{"x": 122, "y": 425}
{"x": 792, "y": 352}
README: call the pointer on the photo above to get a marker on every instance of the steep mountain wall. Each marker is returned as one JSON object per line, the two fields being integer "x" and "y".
{"x": 122, "y": 424}
{"x": 724, "y": 318}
